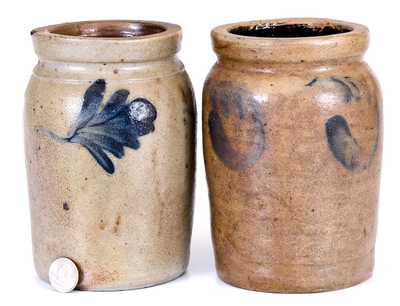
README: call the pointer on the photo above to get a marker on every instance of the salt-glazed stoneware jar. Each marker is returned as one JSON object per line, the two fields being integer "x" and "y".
{"x": 110, "y": 136}
{"x": 292, "y": 126}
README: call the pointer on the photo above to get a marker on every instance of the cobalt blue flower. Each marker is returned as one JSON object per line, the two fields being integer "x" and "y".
{"x": 117, "y": 125}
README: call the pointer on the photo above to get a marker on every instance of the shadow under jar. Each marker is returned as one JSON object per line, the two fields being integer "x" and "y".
{"x": 292, "y": 131}
{"x": 110, "y": 141}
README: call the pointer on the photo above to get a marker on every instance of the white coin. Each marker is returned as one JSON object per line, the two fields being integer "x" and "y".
{"x": 63, "y": 275}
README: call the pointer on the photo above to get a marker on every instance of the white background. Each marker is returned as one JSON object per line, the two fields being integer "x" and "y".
{"x": 200, "y": 285}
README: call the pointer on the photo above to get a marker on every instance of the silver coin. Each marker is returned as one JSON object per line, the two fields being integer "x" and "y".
{"x": 63, "y": 275}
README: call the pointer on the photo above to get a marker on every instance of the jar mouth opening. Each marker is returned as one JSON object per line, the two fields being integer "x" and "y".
{"x": 296, "y": 30}
{"x": 106, "y": 29}
{"x": 295, "y": 40}
{"x": 103, "y": 41}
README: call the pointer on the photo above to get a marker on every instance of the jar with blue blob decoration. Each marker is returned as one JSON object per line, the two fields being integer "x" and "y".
{"x": 292, "y": 129}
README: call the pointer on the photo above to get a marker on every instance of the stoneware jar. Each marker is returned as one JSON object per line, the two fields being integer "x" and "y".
{"x": 292, "y": 142}
{"x": 109, "y": 137}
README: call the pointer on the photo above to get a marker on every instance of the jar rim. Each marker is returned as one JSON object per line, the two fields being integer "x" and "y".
{"x": 290, "y": 40}
{"x": 104, "y": 41}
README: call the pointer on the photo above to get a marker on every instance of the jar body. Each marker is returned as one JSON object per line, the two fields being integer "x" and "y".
{"x": 126, "y": 224}
{"x": 293, "y": 159}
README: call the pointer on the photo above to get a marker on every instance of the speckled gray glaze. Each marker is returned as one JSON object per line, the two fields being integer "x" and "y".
{"x": 110, "y": 142}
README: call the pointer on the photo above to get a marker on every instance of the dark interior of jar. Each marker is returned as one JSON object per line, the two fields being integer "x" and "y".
{"x": 108, "y": 29}
{"x": 289, "y": 30}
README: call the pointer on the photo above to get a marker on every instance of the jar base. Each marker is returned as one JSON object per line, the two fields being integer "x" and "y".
{"x": 284, "y": 278}
{"x": 126, "y": 285}
{"x": 133, "y": 286}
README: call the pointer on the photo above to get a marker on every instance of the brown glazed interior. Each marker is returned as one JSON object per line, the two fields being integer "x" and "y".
{"x": 107, "y": 29}
{"x": 289, "y": 30}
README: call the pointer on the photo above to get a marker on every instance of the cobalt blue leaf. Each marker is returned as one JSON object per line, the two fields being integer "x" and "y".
{"x": 120, "y": 121}
{"x": 126, "y": 137}
{"x": 108, "y": 143}
{"x": 91, "y": 102}
{"x": 98, "y": 154}
{"x": 114, "y": 105}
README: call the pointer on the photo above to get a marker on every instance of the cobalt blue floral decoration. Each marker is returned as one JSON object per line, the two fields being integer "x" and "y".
{"x": 117, "y": 125}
